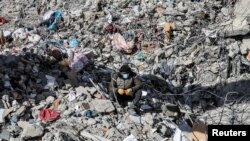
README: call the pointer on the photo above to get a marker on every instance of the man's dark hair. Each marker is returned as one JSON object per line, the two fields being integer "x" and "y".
{"x": 125, "y": 68}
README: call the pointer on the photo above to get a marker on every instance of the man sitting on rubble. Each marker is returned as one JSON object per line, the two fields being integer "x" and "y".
{"x": 125, "y": 86}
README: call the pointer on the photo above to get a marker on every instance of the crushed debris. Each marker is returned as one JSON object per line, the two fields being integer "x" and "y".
{"x": 62, "y": 74}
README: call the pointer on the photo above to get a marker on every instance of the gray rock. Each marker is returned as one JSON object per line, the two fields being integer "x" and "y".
{"x": 137, "y": 119}
{"x": 122, "y": 126}
{"x": 155, "y": 136}
{"x": 243, "y": 49}
{"x": 5, "y": 134}
{"x": 50, "y": 99}
{"x": 149, "y": 119}
{"x": 163, "y": 129}
{"x": 30, "y": 130}
{"x": 246, "y": 42}
{"x": 225, "y": 11}
{"x": 68, "y": 112}
{"x": 173, "y": 12}
{"x": 107, "y": 49}
{"x": 15, "y": 139}
{"x": 85, "y": 90}
{"x": 93, "y": 136}
{"x": 20, "y": 111}
{"x": 233, "y": 49}
{"x": 91, "y": 121}
{"x": 76, "y": 12}
{"x": 169, "y": 52}
{"x": 182, "y": 7}
{"x": 48, "y": 137}
{"x": 106, "y": 123}
{"x": 80, "y": 90}
{"x": 103, "y": 106}
{"x": 239, "y": 26}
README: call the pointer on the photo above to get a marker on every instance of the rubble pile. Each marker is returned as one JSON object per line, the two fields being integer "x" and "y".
{"x": 57, "y": 58}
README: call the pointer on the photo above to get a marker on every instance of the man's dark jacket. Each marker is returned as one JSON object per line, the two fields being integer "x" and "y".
{"x": 118, "y": 82}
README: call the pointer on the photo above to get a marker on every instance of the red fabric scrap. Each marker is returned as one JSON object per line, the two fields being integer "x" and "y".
{"x": 2, "y": 20}
{"x": 49, "y": 115}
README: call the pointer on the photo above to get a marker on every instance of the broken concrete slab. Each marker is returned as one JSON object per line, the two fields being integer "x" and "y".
{"x": 102, "y": 106}
{"x": 130, "y": 138}
{"x": 194, "y": 61}
{"x": 48, "y": 137}
{"x": 92, "y": 136}
{"x": 238, "y": 9}
{"x": 137, "y": 119}
{"x": 5, "y": 135}
{"x": 30, "y": 130}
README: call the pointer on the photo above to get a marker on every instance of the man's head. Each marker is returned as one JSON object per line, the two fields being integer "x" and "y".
{"x": 125, "y": 71}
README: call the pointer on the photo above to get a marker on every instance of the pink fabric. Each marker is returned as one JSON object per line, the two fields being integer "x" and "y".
{"x": 49, "y": 115}
{"x": 119, "y": 42}
{"x": 79, "y": 58}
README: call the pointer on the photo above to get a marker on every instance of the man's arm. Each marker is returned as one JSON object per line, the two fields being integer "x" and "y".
{"x": 138, "y": 84}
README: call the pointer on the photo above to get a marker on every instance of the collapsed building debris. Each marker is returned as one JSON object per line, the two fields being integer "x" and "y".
{"x": 57, "y": 58}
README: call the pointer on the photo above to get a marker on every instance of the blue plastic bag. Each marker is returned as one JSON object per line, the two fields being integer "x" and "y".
{"x": 57, "y": 14}
{"x": 52, "y": 26}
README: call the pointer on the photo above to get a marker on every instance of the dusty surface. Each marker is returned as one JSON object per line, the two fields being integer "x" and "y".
{"x": 192, "y": 57}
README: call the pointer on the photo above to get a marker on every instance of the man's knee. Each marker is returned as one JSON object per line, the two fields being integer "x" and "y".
{"x": 138, "y": 93}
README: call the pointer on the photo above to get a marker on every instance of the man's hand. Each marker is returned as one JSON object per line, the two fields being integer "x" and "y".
{"x": 128, "y": 92}
{"x": 121, "y": 91}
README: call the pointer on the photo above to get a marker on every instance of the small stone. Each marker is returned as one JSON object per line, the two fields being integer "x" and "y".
{"x": 68, "y": 112}
{"x": 79, "y": 90}
{"x": 77, "y": 27}
{"x": 48, "y": 137}
{"x": 233, "y": 49}
{"x": 91, "y": 121}
{"x": 77, "y": 12}
{"x": 146, "y": 128}
{"x": 50, "y": 99}
{"x": 149, "y": 119}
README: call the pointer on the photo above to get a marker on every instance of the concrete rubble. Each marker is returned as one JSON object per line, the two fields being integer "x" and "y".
{"x": 57, "y": 58}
